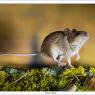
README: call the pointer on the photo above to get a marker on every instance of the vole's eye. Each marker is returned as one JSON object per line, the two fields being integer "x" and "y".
{"x": 77, "y": 33}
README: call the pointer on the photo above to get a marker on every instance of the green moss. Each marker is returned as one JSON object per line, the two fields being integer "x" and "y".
{"x": 92, "y": 70}
{"x": 46, "y": 79}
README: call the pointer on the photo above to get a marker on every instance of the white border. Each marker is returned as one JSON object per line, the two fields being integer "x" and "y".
{"x": 47, "y": 2}
{"x": 47, "y": 93}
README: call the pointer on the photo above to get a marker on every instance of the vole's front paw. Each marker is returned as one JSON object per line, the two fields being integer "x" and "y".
{"x": 78, "y": 57}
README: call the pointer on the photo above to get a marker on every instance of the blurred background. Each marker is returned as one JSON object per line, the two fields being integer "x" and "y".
{"x": 21, "y": 26}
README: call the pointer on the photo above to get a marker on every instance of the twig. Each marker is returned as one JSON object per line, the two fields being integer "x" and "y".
{"x": 20, "y": 78}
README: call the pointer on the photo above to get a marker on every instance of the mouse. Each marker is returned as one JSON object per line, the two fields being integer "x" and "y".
{"x": 63, "y": 45}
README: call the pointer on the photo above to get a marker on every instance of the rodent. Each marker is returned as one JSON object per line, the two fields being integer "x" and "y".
{"x": 62, "y": 45}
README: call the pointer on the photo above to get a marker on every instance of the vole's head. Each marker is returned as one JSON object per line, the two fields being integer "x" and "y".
{"x": 76, "y": 37}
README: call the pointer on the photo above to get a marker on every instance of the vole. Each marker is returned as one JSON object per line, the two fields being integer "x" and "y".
{"x": 62, "y": 45}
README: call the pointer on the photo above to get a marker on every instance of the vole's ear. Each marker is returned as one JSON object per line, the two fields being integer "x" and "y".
{"x": 67, "y": 29}
{"x": 74, "y": 30}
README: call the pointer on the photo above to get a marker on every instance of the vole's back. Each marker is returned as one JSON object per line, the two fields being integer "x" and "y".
{"x": 55, "y": 39}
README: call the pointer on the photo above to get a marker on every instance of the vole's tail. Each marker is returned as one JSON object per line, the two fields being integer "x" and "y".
{"x": 22, "y": 54}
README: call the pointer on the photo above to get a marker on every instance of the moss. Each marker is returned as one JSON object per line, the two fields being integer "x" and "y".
{"x": 45, "y": 79}
{"x": 92, "y": 70}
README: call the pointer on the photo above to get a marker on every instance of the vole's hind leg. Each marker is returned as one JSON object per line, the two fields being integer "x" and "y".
{"x": 58, "y": 59}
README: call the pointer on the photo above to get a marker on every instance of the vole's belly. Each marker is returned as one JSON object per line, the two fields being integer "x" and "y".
{"x": 72, "y": 52}
{"x": 55, "y": 52}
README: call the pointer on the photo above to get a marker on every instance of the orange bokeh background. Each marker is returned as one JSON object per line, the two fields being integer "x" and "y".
{"x": 20, "y": 23}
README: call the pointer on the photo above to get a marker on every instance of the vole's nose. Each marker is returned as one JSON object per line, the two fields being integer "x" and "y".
{"x": 86, "y": 34}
